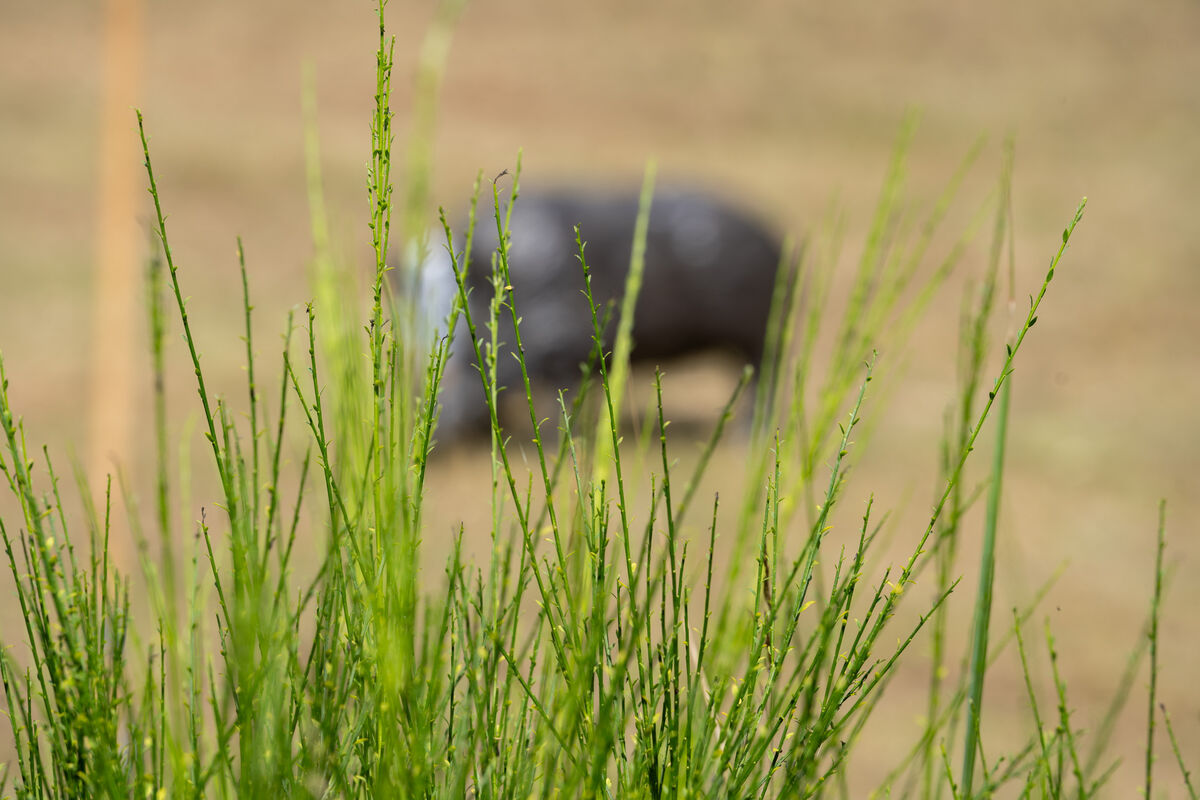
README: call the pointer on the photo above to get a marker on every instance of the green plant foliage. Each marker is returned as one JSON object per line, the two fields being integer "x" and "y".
{"x": 598, "y": 652}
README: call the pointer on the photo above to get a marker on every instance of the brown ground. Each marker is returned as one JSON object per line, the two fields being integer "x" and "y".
{"x": 783, "y": 105}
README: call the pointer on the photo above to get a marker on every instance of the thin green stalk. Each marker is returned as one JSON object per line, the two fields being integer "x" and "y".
{"x": 1187, "y": 776}
{"x": 1152, "y": 700}
{"x": 606, "y": 435}
{"x": 219, "y": 458}
{"x": 983, "y": 602}
{"x": 158, "y": 366}
{"x": 972, "y": 346}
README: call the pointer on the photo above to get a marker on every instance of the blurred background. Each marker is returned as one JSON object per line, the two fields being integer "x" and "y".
{"x": 789, "y": 108}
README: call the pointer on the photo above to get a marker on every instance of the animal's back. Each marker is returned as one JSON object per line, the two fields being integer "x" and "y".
{"x": 708, "y": 279}
{"x": 708, "y": 282}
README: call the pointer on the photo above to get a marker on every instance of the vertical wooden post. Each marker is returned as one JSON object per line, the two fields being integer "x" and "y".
{"x": 116, "y": 288}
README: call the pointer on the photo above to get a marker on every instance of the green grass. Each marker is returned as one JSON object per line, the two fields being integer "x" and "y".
{"x": 598, "y": 651}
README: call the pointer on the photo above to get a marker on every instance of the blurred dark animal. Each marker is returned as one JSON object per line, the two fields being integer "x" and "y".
{"x": 708, "y": 283}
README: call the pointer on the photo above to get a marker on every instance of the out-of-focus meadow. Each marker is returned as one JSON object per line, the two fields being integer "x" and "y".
{"x": 790, "y": 108}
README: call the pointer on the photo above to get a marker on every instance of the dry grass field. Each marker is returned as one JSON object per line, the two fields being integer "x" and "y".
{"x": 788, "y": 107}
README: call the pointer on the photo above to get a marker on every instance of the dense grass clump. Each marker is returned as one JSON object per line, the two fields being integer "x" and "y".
{"x": 598, "y": 652}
